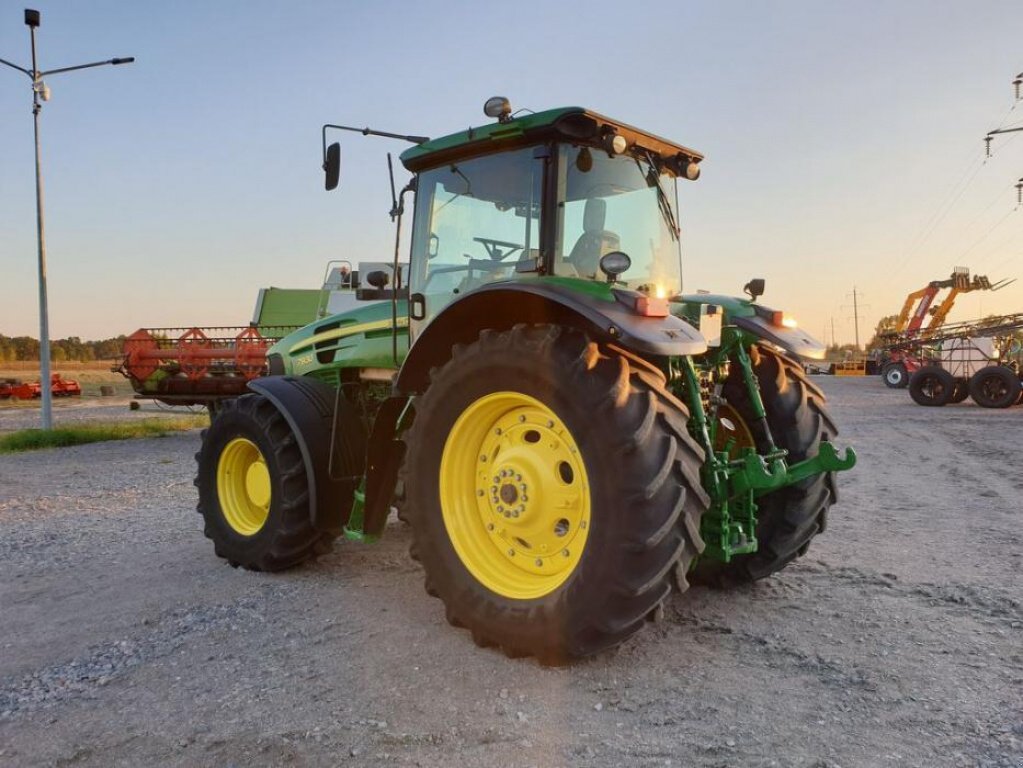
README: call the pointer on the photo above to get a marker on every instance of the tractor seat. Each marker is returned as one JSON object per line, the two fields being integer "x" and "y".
{"x": 594, "y": 242}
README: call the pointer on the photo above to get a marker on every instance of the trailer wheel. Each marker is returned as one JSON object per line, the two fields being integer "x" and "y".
{"x": 895, "y": 376}
{"x": 995, "y": 386}
{"x": 789, "y": 518}
{"x": 253, "y": 491}
{"x": 553, "y": 488}
{"x": 931, "y": 386}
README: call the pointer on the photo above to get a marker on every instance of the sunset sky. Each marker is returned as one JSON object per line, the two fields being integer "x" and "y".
{"x": 843, "y": 142}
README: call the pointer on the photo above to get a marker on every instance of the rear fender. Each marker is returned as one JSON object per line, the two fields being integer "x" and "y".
{"x": 501, "y": 306}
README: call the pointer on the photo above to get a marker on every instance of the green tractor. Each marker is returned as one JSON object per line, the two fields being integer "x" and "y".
{"x": 568, "y": 435}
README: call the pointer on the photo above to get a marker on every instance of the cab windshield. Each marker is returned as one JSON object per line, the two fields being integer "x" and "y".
{"x": 617, "y": 203}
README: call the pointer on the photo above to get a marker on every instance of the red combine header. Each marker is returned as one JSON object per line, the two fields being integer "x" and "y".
{"x": 196, "y": 366}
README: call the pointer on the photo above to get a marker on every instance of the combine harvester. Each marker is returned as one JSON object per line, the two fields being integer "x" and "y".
{"x": 920, "y": 321}
{"x": 978, "y": 359}
{"x": 206, "y": 365}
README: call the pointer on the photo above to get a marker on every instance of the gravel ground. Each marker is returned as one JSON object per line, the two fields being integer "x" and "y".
{"x": 897, "y": 640}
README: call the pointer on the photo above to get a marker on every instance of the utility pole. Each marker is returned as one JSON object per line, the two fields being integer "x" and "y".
{"x": 856, "y": 318}
{"x": 856, "y": 296}
{"x": 832, "y": 330}
{"x": 40, "y": 93}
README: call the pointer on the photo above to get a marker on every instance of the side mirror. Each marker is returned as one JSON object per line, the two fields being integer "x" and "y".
{"x": 378, "y": 278}
{"x": 755, "y": 287}
{"x": 332, "y": 166}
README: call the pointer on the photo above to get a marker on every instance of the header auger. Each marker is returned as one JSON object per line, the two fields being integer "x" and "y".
{"x": 569, "y": 436}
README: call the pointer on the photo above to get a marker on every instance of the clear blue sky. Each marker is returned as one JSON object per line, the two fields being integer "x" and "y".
{"x": 179, "y": 185}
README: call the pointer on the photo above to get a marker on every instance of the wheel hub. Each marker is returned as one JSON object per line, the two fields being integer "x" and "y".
{"x": 520, "y": 526}
{"x": 243, "y": 486}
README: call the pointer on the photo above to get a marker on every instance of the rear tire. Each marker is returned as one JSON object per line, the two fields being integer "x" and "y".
{"x": 995, "y": 386}
{"x": 932, "y": 386}
{"x": 253, "y": 491}
{"x": 789, "y": 518}
{"x": 630, "y": 501}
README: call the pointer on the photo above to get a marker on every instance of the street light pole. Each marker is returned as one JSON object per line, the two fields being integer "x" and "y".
{"x": 40, "y": 93}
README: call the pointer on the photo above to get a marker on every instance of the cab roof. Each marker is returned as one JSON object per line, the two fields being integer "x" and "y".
{"x": 574, "y": 124}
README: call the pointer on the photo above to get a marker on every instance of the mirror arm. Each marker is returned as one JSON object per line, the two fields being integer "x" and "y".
{"x": 369, "y": 132}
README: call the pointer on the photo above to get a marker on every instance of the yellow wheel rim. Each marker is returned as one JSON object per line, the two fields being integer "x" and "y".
{"x": 243, "y": 486}
{"x": 732, "y": 427}
{"x": 514, "y": 495}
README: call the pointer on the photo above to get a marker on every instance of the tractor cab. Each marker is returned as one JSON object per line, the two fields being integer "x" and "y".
{"x": 564, "y": 193}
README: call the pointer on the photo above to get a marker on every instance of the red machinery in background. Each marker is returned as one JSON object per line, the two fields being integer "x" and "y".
{"x": 900, "y": 351}
{"x": 29, "y": 390}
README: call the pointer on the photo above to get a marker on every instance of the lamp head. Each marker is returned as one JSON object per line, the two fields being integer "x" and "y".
{"x": 31, "y": 18}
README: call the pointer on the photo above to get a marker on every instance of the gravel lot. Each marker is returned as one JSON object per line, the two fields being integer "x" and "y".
{"x": 897, "y": 641}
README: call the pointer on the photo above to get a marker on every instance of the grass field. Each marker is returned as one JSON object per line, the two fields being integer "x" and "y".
{"x": 60, "y": 437}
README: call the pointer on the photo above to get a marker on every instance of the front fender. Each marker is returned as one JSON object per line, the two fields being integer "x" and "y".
{"x": 308, "y": 407}
{"x": 794, "y": 340}
{"x": 500, "y": 306}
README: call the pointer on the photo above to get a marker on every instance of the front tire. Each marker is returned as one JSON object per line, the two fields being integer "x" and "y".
{"x": 553, "y": 491}
{"x": 787, "y": 519}
{"x": 253, "y": 491}
{"x": 895, "y": 376}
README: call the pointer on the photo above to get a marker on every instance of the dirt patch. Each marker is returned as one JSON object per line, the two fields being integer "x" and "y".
{"x": 897, "y": 640}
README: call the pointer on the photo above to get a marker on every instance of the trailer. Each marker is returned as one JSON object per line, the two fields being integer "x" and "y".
{"x": 982, "y": 360}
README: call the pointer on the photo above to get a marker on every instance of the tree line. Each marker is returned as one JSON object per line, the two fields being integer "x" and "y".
{"x": 14, "y": 348}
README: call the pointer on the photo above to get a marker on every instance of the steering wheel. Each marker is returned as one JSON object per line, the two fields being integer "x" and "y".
{"x": 498, "y": 250}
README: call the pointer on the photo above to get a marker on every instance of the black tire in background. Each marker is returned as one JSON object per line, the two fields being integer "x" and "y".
{"x": 789, "y": 518}
{"x": 995, "y": 386}
{"x": 932, "y": 386}
{"x": 643, "y": 470}
{"x": 895, "y": 376}
{"x": 288, "y": 537}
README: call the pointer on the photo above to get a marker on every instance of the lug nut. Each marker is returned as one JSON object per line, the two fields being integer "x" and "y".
{"x": 550, "y": 424}
{"x": 497, "y": 431}
{"x": 511, "y": 553}
{"x": 490, "y": 526}
{"x": 564, "y": 552}
{"x": 522, "y": 419}
{"x": 481, "y": 493}
{"x": 539, "y": 562}
{"x": 483, "y": 458}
